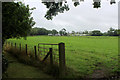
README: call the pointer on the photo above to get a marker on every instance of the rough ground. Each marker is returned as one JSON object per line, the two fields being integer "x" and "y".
{"x": 19, "y": 70}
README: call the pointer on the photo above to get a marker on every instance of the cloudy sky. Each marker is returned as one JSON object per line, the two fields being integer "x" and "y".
{"x": 80, "y": 18}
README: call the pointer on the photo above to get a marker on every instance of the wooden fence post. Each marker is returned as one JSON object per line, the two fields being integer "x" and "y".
{"x": 26, "y": 48}
{"x": 61, "y": 60}
{"x": 51, "y": 57}
{"x": 20, "y": 46}
{"x": 35, "y": 52}
{"x": 15, "y": 45}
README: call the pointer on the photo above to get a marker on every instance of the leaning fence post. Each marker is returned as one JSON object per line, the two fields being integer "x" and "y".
{"x": 61, "y": 60}
{"x": 35, "y": 52}
{"x": 26, "y": 49}
{"x": 20, "y": 46}
{"x": 51, "y": 57}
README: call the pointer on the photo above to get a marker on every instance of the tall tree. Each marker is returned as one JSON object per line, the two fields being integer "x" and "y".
{"x": 16, "y": 20}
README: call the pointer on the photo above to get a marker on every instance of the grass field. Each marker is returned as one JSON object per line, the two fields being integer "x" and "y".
{"x": 86, "y": 55}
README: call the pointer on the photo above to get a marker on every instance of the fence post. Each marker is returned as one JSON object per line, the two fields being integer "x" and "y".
{"x": 61, "y": 60}
{"x": 35, "y": 52}
{"x": 15, "y": 45}
{"x": 26, "y": 49}
{"x": 51, "y": 57}
{"x": 20, "y": 46}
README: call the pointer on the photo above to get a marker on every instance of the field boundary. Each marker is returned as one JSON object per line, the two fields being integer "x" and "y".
{"x": 61, "y": 51}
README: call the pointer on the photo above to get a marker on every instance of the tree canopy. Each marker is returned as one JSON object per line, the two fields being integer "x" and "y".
{"x": 60, "y": 6}
{"x": 96, "y": 33}
{"x": 16, "y": 20}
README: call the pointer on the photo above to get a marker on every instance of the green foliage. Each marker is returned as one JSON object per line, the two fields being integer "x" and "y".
{"x": 42, "y": 31}
{"x": 63, "y": 32}
{"x": 54, "y": 9}
{"x": 85, "y": 32}
{"x": 113, "y": 32}
{"x": 16, "y": 20}
{"x": 54, "y": 32}
{"x": 61, "y": 6}
{"x": 96, "y": 33}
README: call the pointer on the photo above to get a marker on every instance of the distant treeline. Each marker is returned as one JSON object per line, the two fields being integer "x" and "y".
{"x": 110, "y": 32}
{"x": 43, "y": 31}
{"x": 62, "y": 32}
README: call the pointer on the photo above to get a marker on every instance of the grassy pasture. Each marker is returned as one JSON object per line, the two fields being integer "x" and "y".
{"x": 84, "y": 54}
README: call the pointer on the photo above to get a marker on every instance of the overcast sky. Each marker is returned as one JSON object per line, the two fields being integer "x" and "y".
{"x": 80, "y": 18}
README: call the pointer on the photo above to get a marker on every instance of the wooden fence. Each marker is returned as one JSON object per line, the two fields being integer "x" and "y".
{"x": 61, "y": 54}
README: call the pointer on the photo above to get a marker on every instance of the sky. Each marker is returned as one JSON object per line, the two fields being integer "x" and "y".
{"x": 80, "y": 18}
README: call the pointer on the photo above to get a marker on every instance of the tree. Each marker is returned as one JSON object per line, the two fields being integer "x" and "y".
{"x": 63, "y": 32}
{"x": 16, "y": 20}
{"x": 105, "y": 34}
{"x": 73, "y": 32}
{"x": 60, "y": 6}
{"x": 96, "y": 33}
{"x": 34, "y": 31}
{"x": 54, "y": 32}
{"x": 42, "y": 31}
{"x": 111, "y": 31}
{"x": 85, "y": 32}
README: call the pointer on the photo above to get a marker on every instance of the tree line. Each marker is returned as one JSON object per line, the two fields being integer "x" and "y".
{"x": 43, "y": 31}
{"x": 63, "y": 32}
{"x": 110, "y": 32}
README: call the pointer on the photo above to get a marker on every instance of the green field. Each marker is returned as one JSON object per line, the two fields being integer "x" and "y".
{"x": 84, "y": 54}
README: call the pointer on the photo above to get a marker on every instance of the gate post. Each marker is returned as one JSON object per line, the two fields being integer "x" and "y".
{"x": 61, "y": 60}
{"x": 51, "y": 56}
{"x": 35, "y": 52}
{"x": 15, "y": 45}
{"x": 26, "y": 49}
